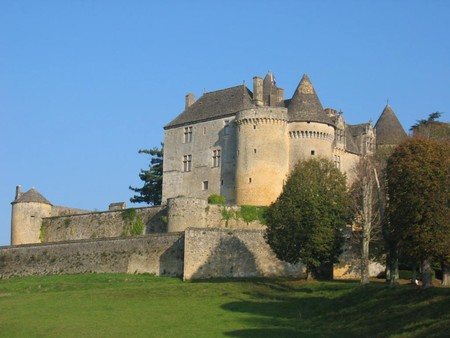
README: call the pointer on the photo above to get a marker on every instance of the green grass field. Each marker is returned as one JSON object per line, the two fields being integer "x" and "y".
{"x": 118, "y": 305}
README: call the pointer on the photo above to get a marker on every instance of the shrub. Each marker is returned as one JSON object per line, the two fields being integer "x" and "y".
{"x": 217, "y": 199}
{"x": 250, "y": 213}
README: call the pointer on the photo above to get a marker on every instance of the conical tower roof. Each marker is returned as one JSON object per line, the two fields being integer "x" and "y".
{"x": 31, "y": 196}
{"x": 305, "y": 105}
{"x": 388, "y": 128}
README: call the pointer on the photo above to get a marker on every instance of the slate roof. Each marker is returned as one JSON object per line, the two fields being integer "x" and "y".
{"x": 351, "y": 132}
{"x": 31, "y": 196}
{"x": 388, "y": 128}
{"x": 305, "y": 105}
{"x": 213, "y": 105}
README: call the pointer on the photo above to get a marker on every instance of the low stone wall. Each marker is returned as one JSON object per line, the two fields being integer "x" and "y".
{"x": 159, "y": 254}
{"x": 225, "y": 253}
{"x": 105, "y": 224}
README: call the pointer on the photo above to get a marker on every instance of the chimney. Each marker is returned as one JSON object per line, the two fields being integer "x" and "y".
{"x": 258, "y": 91}
{"x": 18, "y": 192}
{"x": 190, "y": 99}
{"x": 280, "y": 96}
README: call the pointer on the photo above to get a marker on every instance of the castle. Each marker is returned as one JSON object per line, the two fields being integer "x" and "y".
{"x": 242, "y": 144}
{"x": 232, "y": 142}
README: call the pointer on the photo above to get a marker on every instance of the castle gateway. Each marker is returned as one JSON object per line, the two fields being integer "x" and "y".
{"x": 243, "y": 145}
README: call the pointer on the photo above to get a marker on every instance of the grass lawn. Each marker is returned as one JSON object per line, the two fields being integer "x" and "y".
{"x": 119, "y": 305}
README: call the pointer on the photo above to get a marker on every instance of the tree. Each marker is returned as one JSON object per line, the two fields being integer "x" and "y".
{"x": 418, "y": 176}
{"x": 365, "y": 209}
{"x": 151, "y": 191}
{"x": 307, "y": 220}
{"x": 432, "y": 128}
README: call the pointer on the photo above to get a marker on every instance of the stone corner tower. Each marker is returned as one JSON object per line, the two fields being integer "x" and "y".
{"x": 28, "y": 210}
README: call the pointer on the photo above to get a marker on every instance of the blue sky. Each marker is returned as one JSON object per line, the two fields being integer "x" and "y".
{"x": 85, "y": 84}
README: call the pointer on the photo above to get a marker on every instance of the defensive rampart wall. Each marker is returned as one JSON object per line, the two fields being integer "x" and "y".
{"x": 158, "y": 254}
{"x": 184, "y": 212}
{"x": 231, "y": 253}
{"x": 105, "y": 224}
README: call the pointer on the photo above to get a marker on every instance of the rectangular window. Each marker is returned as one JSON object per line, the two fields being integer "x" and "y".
{"x": 313, "y": 152}
{"x": 187, "y": 163}
{"x": 187, "y": 135}
{"x": 337, "y": 161}
{"x": 216, "y": 158}
{"x": 205, "y": 185}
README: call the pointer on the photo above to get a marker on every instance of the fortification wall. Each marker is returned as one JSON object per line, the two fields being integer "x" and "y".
{"x": 103, "y": 224}
{"x": 158, "y": 254}
{"x": 184, "y": 212}
{"x": 61, "y": 211}
{"x": 227, "y": 253}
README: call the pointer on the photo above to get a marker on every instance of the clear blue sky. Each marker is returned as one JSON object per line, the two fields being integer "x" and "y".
{"x": 85, "y": 84}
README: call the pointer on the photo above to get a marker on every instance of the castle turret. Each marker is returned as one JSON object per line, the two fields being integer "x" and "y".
{"x": 389, "y": 132}
{"x": 262, "y": 158}
{"x": 311, "y": 130}
{"x": 28, "y": 209}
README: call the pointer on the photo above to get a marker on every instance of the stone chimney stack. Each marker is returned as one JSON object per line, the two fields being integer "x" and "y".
{"x": 280, "y": 96}
{"x": 190, "y": 99}
{"x": 18, "y": 192}
{"x": 258, "y": 91}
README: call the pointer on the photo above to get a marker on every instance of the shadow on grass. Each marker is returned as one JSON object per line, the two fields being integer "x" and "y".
{"x": 338, "y": 309}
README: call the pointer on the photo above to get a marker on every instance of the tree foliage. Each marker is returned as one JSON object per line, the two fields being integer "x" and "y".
{"x": 306, "y": 222}
{"x": 151, "y": 191}
{"x": 432, "y": 128}
{"x": 418, "y": 175}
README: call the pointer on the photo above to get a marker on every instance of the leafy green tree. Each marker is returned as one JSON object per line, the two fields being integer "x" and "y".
{"x": 418, "y": 176}
{"x": 307, "y": 220}
{"x": 151, "y": 191}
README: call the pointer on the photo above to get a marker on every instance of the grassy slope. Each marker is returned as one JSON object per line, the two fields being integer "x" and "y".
{"x": 114, "y": 305}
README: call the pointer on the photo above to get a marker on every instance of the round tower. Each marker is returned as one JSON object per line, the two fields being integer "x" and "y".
{"x": 28, "y": 209}
{"x": 310, "y": 139}
{"x": 311, "y": 130}
{"x": 262, "y": 155}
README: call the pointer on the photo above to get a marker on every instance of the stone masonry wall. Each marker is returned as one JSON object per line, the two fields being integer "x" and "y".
{"x": 158, "y": 254}
{"x": 225, "y": 253}
{"x": 102, "y": 224}
{"x": 184, "y": 212}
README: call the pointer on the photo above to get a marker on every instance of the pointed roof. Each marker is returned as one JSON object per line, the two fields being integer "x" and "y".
{"x": 388, "y": 128}
{"x": 305, "y": 105}
{"x": 214, "y": 105}
{"x": 31, "y": 196}
{"x": 350, "y": 142}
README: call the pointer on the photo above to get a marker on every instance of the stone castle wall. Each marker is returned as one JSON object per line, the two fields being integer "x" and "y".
{"x": 158, "y": 254}
{"x": 102, "y": 224}
{"x": 231, "y": 253}
{"x": 199, "y": 253}
{"x": 184, "y": 212}
{"x": 203, "y": 241}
